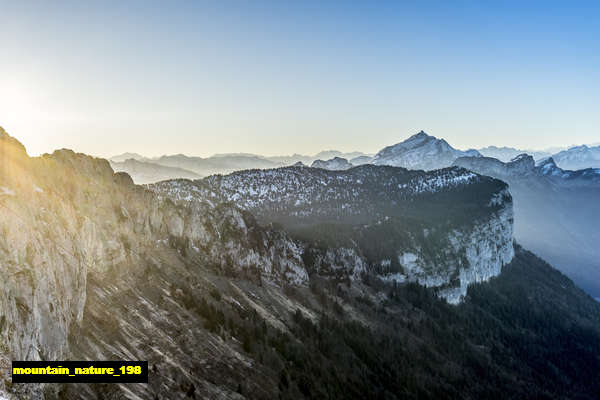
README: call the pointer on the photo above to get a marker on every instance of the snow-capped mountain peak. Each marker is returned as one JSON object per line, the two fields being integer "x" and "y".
{"x": 421, "y": 151}
{"x": 549, "y": 168}
{"x": 578, "y": 157}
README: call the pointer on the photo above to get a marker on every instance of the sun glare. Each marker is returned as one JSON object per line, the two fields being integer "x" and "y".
{"x": 21, "y": 111}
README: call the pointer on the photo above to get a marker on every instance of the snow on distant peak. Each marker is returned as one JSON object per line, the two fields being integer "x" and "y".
{"x": 421, "y": 151}
{"x": 578, "y": 157}
{"x": 416, "y": 139}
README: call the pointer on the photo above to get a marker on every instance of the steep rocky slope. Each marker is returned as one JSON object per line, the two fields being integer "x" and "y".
{"x": 67, "y": 218}
{"x": 556, "y": 212}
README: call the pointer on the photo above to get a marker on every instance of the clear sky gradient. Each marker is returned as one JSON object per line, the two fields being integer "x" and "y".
{"x": 282, "y": 77}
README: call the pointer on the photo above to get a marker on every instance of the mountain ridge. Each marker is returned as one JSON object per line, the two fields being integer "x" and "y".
{"x": 146, "y": 172}
{"x": 223, "y": 306}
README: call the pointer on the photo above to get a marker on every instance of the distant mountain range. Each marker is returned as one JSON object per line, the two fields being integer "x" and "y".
{"x": 220, "y": 163}
{"x": 420, "y": 151}
{"x": 557, "y": 198}
{"x": 508, "y": 153}
{"x": 128, "y": 156}
{"x": 335, "y": 164}
{"x": 578, "y": 157}
{"x": 143, "y": 172}
{"x": 215, "y": 165}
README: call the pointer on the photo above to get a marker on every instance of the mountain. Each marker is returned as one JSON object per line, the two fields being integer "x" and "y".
{"x": 335, "y": 163}
{"x": 223, "y": 304}
{"x": 506, "y": 154}
{"x": 82, "y": 245}
{"x": 555, "y": 212}
{"x": 290, "y": 160}
{"x": 221, "y": 164}
{"x": 360, "y": 160}
{"x": 147, "y": 172}
{"x": 127, "y": 156}
{"x": 226, "y": 163}
{"x": 323, "y": 155}
{"x": 335, "y": 153}
{"x": 578, "y": 157}
{"x": 501, "y": 153}
{"x": 220, "y": 155}
{"x": 391, "y": 221}
{"x": 420, "y": 151}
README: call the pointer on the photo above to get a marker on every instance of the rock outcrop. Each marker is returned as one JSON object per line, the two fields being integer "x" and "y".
{"x": 67, "y": 216}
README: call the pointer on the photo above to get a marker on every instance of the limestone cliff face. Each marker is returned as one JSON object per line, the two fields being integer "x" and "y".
{"x": 66, "y": 216}
{"x": 487, "y": 248}
{"x": 471, "y": 254}
{"x": 231, "y": 238}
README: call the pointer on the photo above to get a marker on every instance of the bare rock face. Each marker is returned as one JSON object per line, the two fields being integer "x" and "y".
{"x": 67, "y": 217}
{"x": 48, "y": 247}
{"x": 487, "y": 248}
{"x": 470, "y": 254}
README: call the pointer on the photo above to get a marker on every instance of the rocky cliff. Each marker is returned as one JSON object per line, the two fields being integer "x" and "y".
{"x": 391, "y": 222}
{"x": 555, "y": 212}
{"x": 67, "y": 218}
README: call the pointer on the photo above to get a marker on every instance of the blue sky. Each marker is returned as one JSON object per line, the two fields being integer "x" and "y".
{"x": 278, "y": 77}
